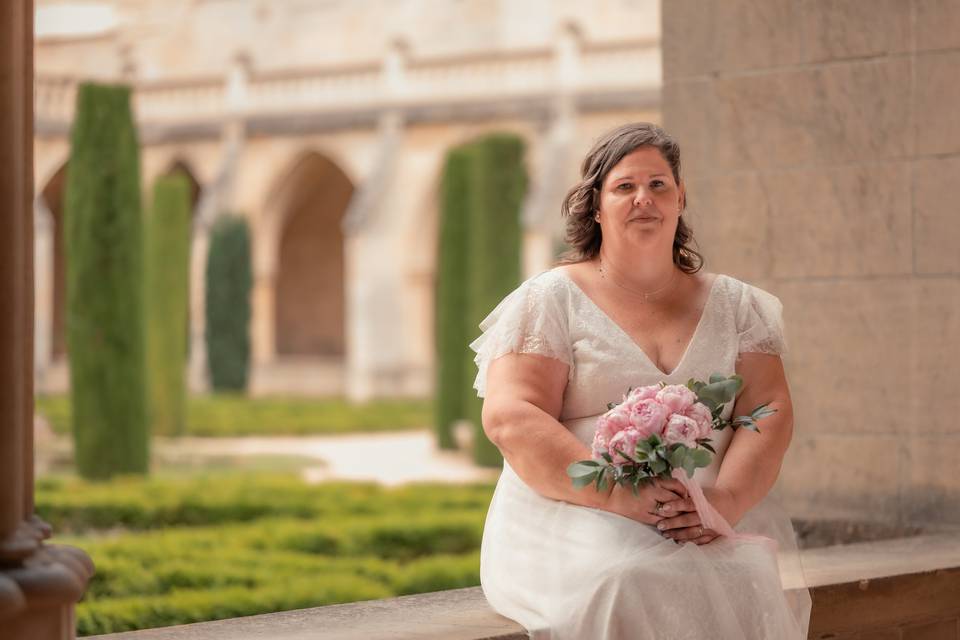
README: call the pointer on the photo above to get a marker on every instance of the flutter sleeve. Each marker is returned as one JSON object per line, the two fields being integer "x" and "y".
{"x": 532, "y": 319}
{"x": 760, "y": 322}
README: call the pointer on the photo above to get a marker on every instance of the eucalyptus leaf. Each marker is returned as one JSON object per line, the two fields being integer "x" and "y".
{"x": 583, "y": 468}
{"x": 581, "y": 481}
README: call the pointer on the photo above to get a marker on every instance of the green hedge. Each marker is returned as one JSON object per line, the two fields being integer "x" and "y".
{"x": 452, "y": 331}
{"x": 259, "y": 543}
{"x": 498, "y": 182}
{"x": 228, "y": 282}
{"x": 167, "y": 304}
{"x": 104, "y": 257}
{"x": 182, "y": 607}
{"x": 479, "y": 255}
{"x": 76, "y": 506}
{"x": 234, "y": 415}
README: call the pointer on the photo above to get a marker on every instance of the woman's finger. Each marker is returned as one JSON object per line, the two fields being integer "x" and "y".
{"x": 672, "y": 485}
{"x": 706, "y": 538}
{"x": 681, "y": 521}
{"x": 679, "y": 505}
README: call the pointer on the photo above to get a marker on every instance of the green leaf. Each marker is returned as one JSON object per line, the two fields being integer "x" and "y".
{"x": 707, "y": 446}
{"x": 581, "y": 481}
{"x": 717, "y": 377}
{"x": 583, "y": 468}
{"x": 700, "y": 457}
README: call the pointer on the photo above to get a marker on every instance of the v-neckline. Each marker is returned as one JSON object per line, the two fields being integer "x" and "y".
{"x": 629, "y": 338}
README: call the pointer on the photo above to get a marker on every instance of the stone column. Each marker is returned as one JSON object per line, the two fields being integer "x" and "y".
{"x": 215, "y": 198}
{"x": 39, "y": 583}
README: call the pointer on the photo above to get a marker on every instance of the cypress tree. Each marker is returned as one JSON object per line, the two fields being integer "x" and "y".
{"x": 167, "y": 276}
{"x": 497, "y": 184}
{"x": 228, "y": 280}
{"x": 104, "y": 250}
{"x": 452, "y": 332}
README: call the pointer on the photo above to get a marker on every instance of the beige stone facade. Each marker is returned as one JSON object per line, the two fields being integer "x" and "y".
{"x": 326, "y": 124}
{"x": 823, "y": 149}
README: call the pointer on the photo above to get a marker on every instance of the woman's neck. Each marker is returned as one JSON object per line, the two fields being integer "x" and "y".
{"x": 645, "y": 276}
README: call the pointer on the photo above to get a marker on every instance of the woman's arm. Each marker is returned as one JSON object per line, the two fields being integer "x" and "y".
{"x": 524, "y": 395}
{"x": 752, "y": 461}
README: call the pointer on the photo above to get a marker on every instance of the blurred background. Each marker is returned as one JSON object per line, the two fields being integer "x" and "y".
{"x": 278, "y": 224}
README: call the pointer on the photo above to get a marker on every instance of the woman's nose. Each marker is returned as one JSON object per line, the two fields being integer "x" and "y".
{"x": 642, "y": 198}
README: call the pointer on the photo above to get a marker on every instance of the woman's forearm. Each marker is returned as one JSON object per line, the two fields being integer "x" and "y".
{"x": 752, "y": 462}
{"x": 539, "y": 449}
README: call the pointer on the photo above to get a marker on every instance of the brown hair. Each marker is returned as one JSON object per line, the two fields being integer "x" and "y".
{"x": 581, "y": 203}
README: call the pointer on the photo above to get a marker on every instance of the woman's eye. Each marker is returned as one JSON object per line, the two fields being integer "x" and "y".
{"x": 625, "y": 186}
{"x": 656, "y": 184}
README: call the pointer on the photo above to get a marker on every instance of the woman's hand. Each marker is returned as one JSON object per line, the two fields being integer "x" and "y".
{"x": 682, "y": 522}
{"x": 643, "y": 507}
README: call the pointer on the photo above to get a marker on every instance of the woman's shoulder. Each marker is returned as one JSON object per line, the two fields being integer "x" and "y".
{"x": 741, "y": 290}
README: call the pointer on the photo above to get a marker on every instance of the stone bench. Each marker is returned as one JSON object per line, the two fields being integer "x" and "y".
{"x": 902, "y": 589}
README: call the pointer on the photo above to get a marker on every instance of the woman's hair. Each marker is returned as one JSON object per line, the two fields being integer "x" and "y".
{"x": 583, "y": 201}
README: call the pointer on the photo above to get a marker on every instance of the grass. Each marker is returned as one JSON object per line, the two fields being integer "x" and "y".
{"x": 224, "y": 415}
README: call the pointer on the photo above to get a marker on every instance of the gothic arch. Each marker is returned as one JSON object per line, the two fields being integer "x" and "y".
{"x": 308, "y": 262}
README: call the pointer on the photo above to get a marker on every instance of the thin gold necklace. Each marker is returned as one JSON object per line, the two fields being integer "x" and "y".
{"x": 647, "y": 297}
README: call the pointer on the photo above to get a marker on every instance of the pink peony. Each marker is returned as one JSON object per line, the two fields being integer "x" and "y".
{"x": 643, "y": 393}
{"x": 681, "y": 429}
{"x": 608, "y": 425}
{"x": 626, "y": 442}
{"x": 700, "y": 414}
{"x": 648, "y": 417}
{"x": 677, "y": 397}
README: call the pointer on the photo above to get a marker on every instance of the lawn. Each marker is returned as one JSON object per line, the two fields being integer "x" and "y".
{"x": 234, "y": 415}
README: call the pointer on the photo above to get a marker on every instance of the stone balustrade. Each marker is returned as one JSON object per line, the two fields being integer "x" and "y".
{"x": 589, "y": 72}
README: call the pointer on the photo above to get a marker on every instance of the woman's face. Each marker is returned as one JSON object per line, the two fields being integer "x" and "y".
{"x": 640, "y": 202}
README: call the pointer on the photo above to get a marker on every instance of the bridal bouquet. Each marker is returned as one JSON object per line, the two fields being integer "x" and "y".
{"x": 658, "y": 430}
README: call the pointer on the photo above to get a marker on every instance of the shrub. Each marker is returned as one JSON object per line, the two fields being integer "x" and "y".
{"x": 228, "y": 282}
{"x": 452, "y": 330}
{"x": 167, "y": 292}
{"x": 185, "y": 606}
{"x": 497, "y": 184}
{"x": 77, "y": 506}
{"x": 103, "y": 240}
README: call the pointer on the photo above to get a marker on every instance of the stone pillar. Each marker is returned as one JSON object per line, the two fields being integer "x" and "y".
{"x": 822, "y": 152}
{"x": 39, "y": 583}
{"x": 374, "y": 340}
{"x": 215, "y": 198}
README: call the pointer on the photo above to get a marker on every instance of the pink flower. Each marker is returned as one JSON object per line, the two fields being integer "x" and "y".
{"x": 681, "y": 429}
{"x": 677, "y": 397}
{"x": 608, "y": 425}
{"x": 625, "y": 442}
{"x": 643, "y": 393}
{"x": 700, "y": 414}
{"x": 648, "y": 417}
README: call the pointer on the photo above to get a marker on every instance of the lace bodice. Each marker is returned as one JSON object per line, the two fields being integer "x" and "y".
{"x": 549, "y": 315}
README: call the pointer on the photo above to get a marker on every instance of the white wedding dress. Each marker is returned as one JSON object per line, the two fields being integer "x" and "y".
{"x": 570, "y": 572}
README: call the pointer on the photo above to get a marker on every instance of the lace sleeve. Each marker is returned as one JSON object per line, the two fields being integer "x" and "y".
{"x": 760, "y": 322}
{"x": 529, "y": 320}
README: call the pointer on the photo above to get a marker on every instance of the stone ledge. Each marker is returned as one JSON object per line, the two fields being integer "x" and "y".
{"x": 459, "y": 614}
{"x": 859, "y": 591}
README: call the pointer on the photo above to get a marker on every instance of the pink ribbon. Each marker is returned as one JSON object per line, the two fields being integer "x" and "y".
{"x": 711, "y": 518}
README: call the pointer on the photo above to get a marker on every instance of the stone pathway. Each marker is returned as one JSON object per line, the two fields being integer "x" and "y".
{"x": 390, "y": 458}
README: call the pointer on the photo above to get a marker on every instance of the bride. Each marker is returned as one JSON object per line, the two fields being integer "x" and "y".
{"x": 630, "y": 307}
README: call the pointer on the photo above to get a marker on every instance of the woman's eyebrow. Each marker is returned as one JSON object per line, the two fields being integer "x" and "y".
{"x": 630, "y": 177}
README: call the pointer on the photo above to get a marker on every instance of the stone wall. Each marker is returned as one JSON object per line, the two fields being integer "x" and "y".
{"x": 822, "y": 150}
